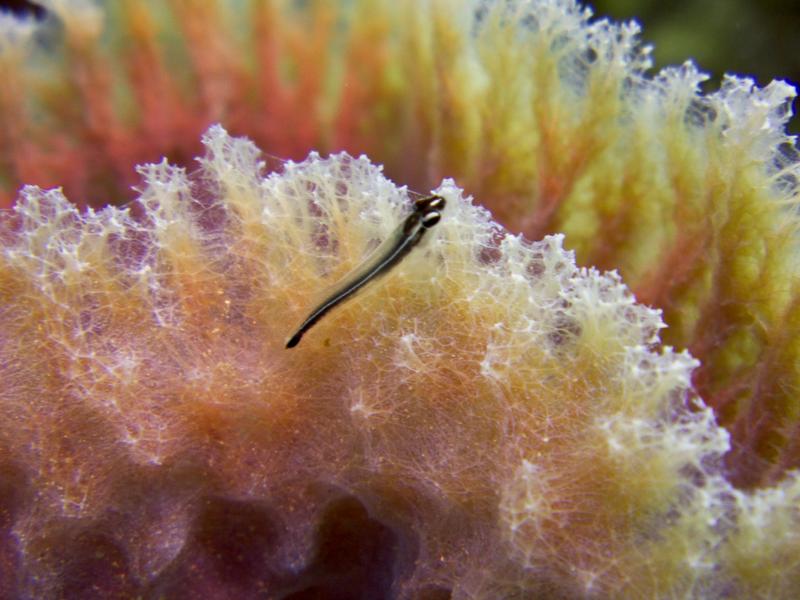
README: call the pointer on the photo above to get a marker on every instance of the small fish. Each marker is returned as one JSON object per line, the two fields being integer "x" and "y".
{"x": 427, "y": 213}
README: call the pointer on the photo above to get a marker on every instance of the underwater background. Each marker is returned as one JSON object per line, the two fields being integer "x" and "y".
{"x": 584, "y": 382}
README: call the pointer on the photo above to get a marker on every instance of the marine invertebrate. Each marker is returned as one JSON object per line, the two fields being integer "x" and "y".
{"x": 548, "y": 117}
{"x": 502, "y": 423}
{"x": 513, "y": 425}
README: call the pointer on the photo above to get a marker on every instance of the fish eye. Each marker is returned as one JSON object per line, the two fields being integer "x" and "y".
{"x": 430, "y": 219}
{"x": 430, "y": 203}
{"x": 436, "y": 203}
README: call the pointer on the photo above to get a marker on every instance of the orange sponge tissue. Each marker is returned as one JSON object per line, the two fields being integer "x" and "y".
{"x": 487, "y": 421}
